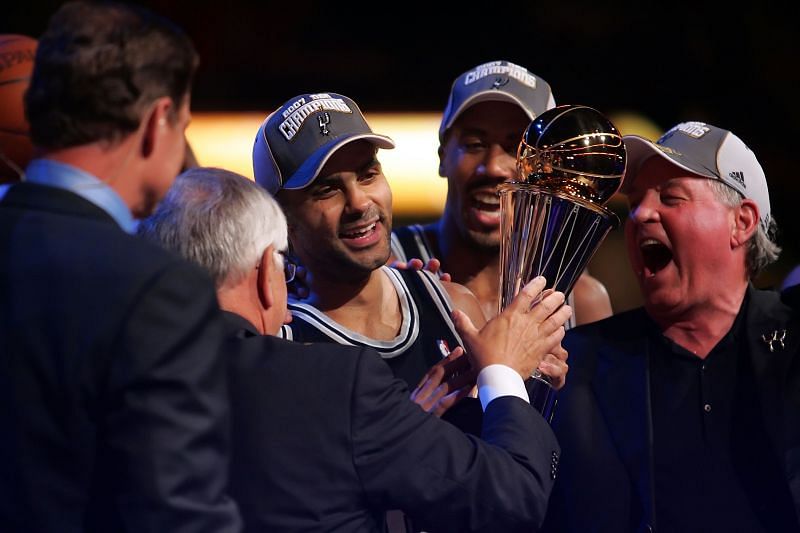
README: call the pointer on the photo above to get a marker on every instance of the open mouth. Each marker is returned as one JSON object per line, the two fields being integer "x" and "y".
{"x": 486, "y": 201}
{"x": 358, "y": 233}
{"x": 655, "y": 256}
{"x": 485, "y": 210}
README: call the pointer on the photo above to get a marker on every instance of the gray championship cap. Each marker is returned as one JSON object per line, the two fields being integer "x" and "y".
{"x": 497, "y": 81}
{"x": 295, "y": 142}
{"x": 706, "y": 151}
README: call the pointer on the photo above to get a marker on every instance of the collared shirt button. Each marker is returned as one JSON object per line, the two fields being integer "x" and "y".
{"x": 707, "y": 408}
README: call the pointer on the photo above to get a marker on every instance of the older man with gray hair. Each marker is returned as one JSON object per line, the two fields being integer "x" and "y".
{"x": 693, "y": 400}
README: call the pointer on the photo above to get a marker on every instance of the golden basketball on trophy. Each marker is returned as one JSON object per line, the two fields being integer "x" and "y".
{"x": 569, "y": 164}
{"x": 552, "y": 216}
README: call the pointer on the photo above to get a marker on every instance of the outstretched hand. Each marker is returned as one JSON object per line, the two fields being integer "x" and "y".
{"x": 522, "y": 335}
{"x": 445, "y": 384}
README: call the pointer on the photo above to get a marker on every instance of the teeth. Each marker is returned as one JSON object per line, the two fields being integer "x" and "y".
{"x": 360, "y": 233}
{"x": 649, "y": 242}
{"x": 487, "y": 198}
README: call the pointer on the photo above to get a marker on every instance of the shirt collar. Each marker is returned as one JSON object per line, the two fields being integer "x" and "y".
{"x": 89, "y": 187}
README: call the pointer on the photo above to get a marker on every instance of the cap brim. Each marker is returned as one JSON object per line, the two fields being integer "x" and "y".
{"x": 638, "y": 150}
{"x": 487, "y": 96}
{"x": 308, "y": 171}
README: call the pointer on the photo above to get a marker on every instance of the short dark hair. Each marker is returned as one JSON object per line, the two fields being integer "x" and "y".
{"x": 98, "y": 68}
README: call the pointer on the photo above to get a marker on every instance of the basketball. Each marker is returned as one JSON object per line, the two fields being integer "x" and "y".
{"x": 17, "y": 53}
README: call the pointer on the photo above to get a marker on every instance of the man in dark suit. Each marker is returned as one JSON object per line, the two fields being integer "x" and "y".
{"x": 684, "y": 415}
{"x": 113, "y": 412}
{"x": 325, "y": 439}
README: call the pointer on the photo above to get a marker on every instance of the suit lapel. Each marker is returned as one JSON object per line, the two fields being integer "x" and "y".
{"x": 777, "y": 378}
{"x": 622, "y": 390}
{"x": 773, "y": 341}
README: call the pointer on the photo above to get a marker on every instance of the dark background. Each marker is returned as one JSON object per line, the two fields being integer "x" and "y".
{"x": 736, "y": 68}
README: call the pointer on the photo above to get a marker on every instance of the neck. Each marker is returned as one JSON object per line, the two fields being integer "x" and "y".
{"x": 368, "y": 306}
{"x": 114, "y": 164}
{"x": 476, "y": 268}
{"x": 242, "y": 298}
{"x": 700, "y": 328}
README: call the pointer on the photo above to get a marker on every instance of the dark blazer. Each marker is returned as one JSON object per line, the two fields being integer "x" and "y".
{"x": 112, "y": 391}
{"x": 603, "y": 419}
{"x": 325, "y": 439}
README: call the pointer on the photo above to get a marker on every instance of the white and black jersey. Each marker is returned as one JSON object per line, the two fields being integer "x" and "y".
{"x": 425, "y": 308}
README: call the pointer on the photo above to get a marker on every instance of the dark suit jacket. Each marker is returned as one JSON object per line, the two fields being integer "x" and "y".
{"x": 325, "y": 439}
{"x": 112, "y": 391}
{"x": 603, "y": 419}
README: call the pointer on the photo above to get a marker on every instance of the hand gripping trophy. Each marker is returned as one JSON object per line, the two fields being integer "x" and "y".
{"x": 570, "y": 162}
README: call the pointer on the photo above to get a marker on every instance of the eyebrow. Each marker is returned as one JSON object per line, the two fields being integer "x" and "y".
{"x": 326, "y": 180}
{"x": 371, "y": 163}
{"x": 473, "y": 131}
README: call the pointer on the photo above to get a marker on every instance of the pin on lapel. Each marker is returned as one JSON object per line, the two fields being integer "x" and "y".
{"x": 775, "y": 339}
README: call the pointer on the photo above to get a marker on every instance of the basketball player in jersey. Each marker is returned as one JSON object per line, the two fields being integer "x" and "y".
{"x": 317, "y": 156}
{"x": 488, "y": 109}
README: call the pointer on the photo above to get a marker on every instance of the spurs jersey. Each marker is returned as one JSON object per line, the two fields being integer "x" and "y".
{"x": 410, "y": 242}
{"x": 425, "y": 308}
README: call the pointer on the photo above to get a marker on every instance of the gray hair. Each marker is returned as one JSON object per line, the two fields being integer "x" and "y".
{"x": 218, "y": 219}
{"x": 762, "y": 249}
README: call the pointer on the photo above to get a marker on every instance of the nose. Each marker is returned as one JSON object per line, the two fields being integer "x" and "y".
{"x": 358, "y": 201}
{"x": 646, "y": 210}
{"x": 498, "y": 163}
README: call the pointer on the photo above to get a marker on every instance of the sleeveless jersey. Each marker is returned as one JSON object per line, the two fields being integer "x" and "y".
{"x": 425, "y": 307}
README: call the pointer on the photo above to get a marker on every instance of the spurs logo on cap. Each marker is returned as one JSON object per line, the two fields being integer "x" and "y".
{"x": 505, "y": 68}
{"x": 323, "y": 120}
{"x": 499, "y": 81}
{"x": 296, "y": 113}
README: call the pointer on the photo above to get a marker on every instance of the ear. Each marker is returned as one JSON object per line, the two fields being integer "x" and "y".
{"x": 155, "y": 123}
{"x": 266, "y": 273}
{"x": 745, "y": 222}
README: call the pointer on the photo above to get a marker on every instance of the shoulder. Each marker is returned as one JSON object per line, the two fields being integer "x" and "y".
{"x": 592, "y": 302}
{"x": 459, "y": 296}
{"x": 790, "y": 296}
{"x": 620, "y": 327}
{"x": 777, "y": 308}
{"x": 462, "y": 297}
{"x": 282, "y": 363}
{"x": 155, "y": 267}
{"x": 464, "y": 300}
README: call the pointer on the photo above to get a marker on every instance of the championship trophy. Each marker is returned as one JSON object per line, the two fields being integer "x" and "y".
{"x": 552, "y": 220}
